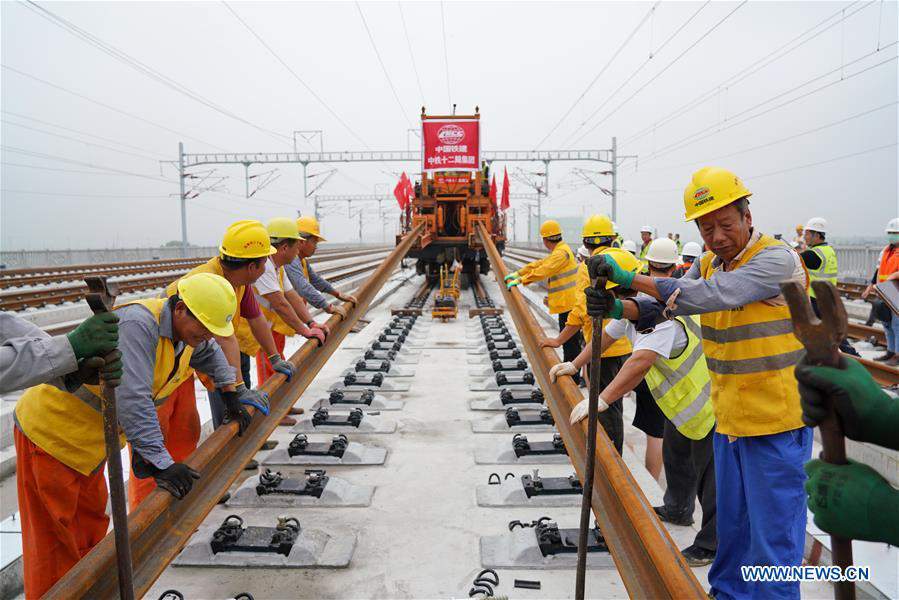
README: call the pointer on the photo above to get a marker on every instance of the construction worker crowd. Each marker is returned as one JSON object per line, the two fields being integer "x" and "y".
{"x": 212, "y": 321}
{"x": 703, "y": 338}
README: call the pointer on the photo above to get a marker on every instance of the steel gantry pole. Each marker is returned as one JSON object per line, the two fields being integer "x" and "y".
{"x": 183, "y": 200}
{"x": 614, "y": 178}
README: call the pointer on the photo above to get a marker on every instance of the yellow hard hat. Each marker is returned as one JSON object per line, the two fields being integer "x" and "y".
{"x": 550, "y": 228}
{"x": 308, "y": 226}
{"x": 246, "y": 239}
{"x": 625, "y": 260}
{"x": 283, "y": 227}
{"x": 211, "y": 299}
{"x": 710, "y": 189}
{"x": 598, "y": 226}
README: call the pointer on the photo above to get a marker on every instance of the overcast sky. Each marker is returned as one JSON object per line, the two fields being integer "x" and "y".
{"x": 799, "y": 98}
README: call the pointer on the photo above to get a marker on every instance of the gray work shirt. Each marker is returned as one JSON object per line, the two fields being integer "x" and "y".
{"x": 29, "y": 356}
{"x": 139, "y": 334}
{"x": 756, "y": 280}
{"x": 311, "y": 289}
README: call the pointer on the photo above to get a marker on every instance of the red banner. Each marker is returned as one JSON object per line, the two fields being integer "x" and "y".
{"x": 450, "y": 145}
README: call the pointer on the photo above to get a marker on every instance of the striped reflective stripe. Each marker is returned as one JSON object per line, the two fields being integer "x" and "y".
{"x": 752, "y": 331}
{"x": 563, "y": 287}
{"x": 673, "y": 376}
{"x": 569, "y": 273}
{"x": 695, "y": 406}
{"x": 755, "y": 365}
{"x": 693, "y": 325}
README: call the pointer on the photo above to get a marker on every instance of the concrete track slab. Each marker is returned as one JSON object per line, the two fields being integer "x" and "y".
{"x": 337, "y": 492}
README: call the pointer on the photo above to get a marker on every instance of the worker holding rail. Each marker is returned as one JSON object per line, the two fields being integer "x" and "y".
{"x": 597, "y": 235}
{"x": 280, "y": 304}
{"x": 307, "y": 283}
{"x": 60, "y": 448}
{"x": 761, "y": 443}
{"x": 559, "y": 270}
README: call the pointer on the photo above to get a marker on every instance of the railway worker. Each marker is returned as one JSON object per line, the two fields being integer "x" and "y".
{"x": 280, "y": 304}
{"x": 670, "y": 360}
{"x": 647, "y": 234}
{"x": 852, "y": 500}
{"x": 582, "y": 254}
{"x": 29, "y": 356}
{"x": 821, "y": 261}
{"x": 798, "y": 242}
{"x": 887, "y": 269}
{"x": 60, "y": 449}
{"x": 308, "y": 284}
{"x": 597, "y": 235}
{"x": 630, "y": 246}
{"x": 761, "y": 442}
{"x": 559, "y": 270}
{"x": 619, "y": 239}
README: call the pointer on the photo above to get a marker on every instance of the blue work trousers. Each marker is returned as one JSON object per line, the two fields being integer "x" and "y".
{"x": 761, "y": 510}
{"x": 891, "y": 328}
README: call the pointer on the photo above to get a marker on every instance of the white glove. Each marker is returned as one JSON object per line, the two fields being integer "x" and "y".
{"x": 579, "y": 412}
{"x": 564, "y": 368}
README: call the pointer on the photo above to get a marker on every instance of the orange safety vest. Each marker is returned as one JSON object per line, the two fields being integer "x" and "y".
{"x": 889, "y": 262}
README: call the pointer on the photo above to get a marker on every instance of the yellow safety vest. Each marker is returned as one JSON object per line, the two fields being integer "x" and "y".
{"x": 579, "y": 316}
{"x": 69, "y": 426}
{"x": 751, "y": 352}
{"x": 681, "y": 385}
{"x": 827, "y": 271}
{"x": 642, "y": 257}
{"x": 245, "y": 335}
{"x": 560, "y": 271}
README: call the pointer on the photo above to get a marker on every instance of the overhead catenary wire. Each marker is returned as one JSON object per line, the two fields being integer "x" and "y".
{"x": 421, "y": 90}
{"x": 81, "y": 141}
{"x": 145, "y": 69}
{"x": 374, "y": 46}
{"x": 299, "y": 79}
{"x": 602, "y": 71}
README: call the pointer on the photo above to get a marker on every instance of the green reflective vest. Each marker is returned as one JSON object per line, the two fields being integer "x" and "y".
{"x": 827, "y": 271}
{"x": 682, "y": 387}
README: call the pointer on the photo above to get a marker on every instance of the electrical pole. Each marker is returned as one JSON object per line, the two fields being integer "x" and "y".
{"x": 183, "y": 200}
{"x": 614, "y": 178}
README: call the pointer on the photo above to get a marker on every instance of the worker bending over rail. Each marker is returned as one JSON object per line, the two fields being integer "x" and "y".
{"x": 761, "y": 443}
{"x": 60, "y": 449}
{"x": 559, "y": 270}
{"x": 29, "y": 356}
{"x": 281, "y": 305}
{"x": 307, "y": 283}
{"x": 597, "y": 235}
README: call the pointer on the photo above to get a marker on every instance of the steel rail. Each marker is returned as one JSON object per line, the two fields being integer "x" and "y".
{"x": 860, "y": 331}
{"x": 649, "y": 562}
{"x": 161, "y": 525}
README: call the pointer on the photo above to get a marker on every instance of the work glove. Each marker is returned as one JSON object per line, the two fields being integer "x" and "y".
{"x": 337, "y": 309}
{"x": 255, "y": 398}
{"x": 852, "y": 501}
{"x": 322, "y": 326}
{"x": 177, "y": 479}
{"x": 348, "y": 298}
{"x": 605, "y": 265}
{"x": 865, "y": 412}
{"x": 510, "y": 283}
{"x": 562, "y": 368}
{"x": 91, "y": 370}
{"x": 512, "y": 275}
{"x": 279, "y": 365}
{"x": 234, "y": 411}
{"x": 312, "y": 334}
{"x": 580, "y": 410}
{"x": 602, "y": 304}
{"x": 97, "y": 335}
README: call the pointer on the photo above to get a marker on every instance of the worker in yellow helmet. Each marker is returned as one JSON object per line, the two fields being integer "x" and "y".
{"x": 244, "y": 250}
{"x": 597, "y": 235}
{"x": 761, "y": 442}
{"x": 60, "y": 448}
{"x": 281, "y": 305}
{"x": 308, "y": 284}
{"x": 559, "y": 270}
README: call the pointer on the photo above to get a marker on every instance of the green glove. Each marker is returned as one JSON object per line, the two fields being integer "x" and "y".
{"x": 510, "y": 283}
{"x": 605, "y": 265}
{"x": 865, "y": 412}
{"x": 602, "y": 303}
{"x": 853, "y": 501}
{"x": 512, "y": 275}
{"x": 96, "y": 336}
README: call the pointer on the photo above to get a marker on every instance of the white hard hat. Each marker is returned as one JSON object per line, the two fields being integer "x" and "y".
{"x": 692, "y": 249}
{"x": 893, "y": 226}
{"x": 583, "y": 252}
{"x": 816, "y": 224}
{"x": 648, "y": 229}
{"x": 663, "y": 251}
{"x": 630, "y": 246}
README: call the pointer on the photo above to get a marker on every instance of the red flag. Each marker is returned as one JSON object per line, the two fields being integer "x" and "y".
{"x": 401, "y": 192}
{"x": 410, "y": 189}
{"x": 504, "y": 203}
{"x": 493, "y": 191}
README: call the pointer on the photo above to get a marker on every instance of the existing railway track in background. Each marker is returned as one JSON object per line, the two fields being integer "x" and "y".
{"x": 19, "y": 299}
